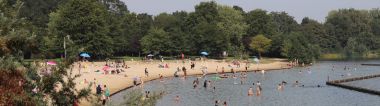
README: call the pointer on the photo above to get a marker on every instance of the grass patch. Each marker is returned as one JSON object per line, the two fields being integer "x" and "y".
{"x": 332, "y": 56}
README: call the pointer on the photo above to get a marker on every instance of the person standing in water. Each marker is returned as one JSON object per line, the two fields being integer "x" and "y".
{"x": 279, "y": 87}
{"x": 195, "y": 83}
{"x": 258, "y": 88}
{"x": 250, "y": 91}
{"x": 216, "y": 102}
{"x": 205, "y": 84}
{"x": 177, "y": 99}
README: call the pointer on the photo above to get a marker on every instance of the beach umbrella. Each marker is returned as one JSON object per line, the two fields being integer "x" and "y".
{"x": 204, "y": 53}
{"x": 256, "y": 60}
{"x": 51, "y": 63}
{"x": 84, "y": 55}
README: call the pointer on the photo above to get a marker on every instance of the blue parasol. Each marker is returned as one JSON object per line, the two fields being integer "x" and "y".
{"x": 204, "y": 53}
{"x": 85, "y": 55}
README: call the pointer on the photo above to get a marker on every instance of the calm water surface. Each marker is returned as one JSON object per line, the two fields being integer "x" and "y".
{"x": 309, "y": 95}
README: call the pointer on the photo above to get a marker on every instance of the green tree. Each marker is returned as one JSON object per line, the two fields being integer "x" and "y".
{"x": 316, "y": 34}
{"x": 139, "y": 26}
{"x": 232, "y": 27}
{"x": 346, "y": 23}
{"x": 283, "y": 25}
{"x": 259, "y": 22}
{"x": 202, "y": 29}
{"x": 15, "y": 36}
{"x": 156, "y": 41}
{"x": 85, "y": 22}
{"x": 260, "y": 44}
{"x": 296, "y": 46}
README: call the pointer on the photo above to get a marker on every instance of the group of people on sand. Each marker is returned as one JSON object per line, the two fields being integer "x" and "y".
{"x": 104, "y": 93}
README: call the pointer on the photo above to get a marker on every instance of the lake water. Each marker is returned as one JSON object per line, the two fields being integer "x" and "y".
{"x": 309, "y": 95}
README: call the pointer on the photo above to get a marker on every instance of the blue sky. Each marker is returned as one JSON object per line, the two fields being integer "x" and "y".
{"x": 315, "y": 9}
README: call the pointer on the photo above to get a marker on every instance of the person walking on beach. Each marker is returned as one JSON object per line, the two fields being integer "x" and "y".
{"x": 184, "y": 71}
{"x": 192, "y": 65}
{"x": 106, "y": 92}
{"x": 141, "y": 83}
{"x": 222, "y": 70}
{"x": 103, "y": 99}
{"x": 146, "y": 72}
{"x": 98, "y": 90}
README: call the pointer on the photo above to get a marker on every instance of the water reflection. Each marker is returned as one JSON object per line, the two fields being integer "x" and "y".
{"x": 236, "y": 94}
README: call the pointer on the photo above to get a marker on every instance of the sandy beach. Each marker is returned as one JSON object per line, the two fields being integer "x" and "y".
{"x": 123, "y": 80}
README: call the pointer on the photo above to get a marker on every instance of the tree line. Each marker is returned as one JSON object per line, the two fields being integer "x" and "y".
{"x": 105, "y": 28}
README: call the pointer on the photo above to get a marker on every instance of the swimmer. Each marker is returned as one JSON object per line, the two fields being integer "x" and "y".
{"x": 194, "y": 84}
{"x": 258, "y": 90}
{"x": 209, "y": 83}
{"x": 283, "y": 82}
{"x": 250, "y": 91}
{"x": 296, "y": 84}
{"x": 216, "y": 102}
{"x": 205, "y": 84}
{"x": 177, "y": 99}
{"x": 225, "y": 103}
{"x": 258, "y": 83}
{"x": 279, "y": 87}
{"x": 234, "y": 79}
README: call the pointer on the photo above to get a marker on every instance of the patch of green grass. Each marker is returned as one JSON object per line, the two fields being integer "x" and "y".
{"x": 332, "y": 56}
{"x": 127, "y": 58}
{"x": 31, "y": 60}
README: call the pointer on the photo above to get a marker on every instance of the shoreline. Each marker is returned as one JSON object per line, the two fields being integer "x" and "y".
{"x": 117, "y": 83}
{"x": 192, "y": 75}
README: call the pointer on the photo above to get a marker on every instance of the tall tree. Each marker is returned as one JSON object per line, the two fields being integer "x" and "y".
{"x": 156, "y": 41}
{"x": 232, "y": 27}
{"x": 316, "y": 34}
{"x": 346, "y": 23}
{"x": 203, "y": 30}
{"x": 259, "y": 22}
{"x": 144, "y": 24}
{"x": 260, "y": 44}
{"x": 85, "y": 22}
{"x": 283, "y": 25}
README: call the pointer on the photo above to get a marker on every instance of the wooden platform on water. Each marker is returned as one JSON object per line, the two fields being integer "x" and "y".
{"x": 370, "y": 64}
{"x": 338, "y": 83}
